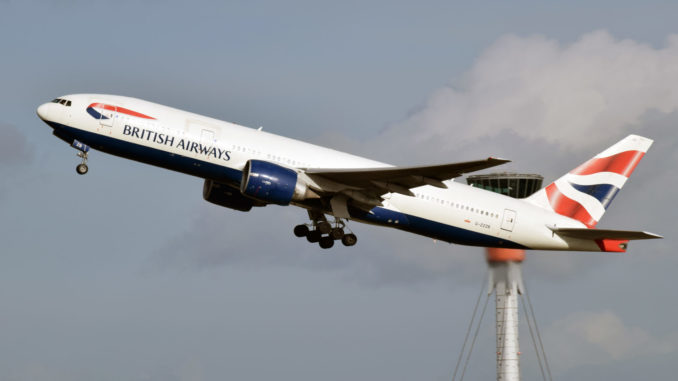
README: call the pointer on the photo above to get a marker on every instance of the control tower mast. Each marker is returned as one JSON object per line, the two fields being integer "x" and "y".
{"x": 505, "y": 278}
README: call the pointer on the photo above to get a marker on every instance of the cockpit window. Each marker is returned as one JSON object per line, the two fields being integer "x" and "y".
{"x": 64, "y": 102}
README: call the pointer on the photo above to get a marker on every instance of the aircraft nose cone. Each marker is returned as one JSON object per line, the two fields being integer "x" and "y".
{"x": 43, "y": 111}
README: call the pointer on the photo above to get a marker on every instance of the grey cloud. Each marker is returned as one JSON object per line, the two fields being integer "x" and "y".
{"x": 599, "y": 337}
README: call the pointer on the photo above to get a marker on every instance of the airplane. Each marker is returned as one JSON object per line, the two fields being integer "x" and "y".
{"x": 245, "y": 168}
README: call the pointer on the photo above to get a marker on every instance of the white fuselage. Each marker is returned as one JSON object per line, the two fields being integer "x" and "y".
{"x": 210, "y": 148}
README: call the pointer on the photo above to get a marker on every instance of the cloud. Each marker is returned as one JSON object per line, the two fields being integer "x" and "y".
{"x": 577, "y": 95}
{"x": 596, "y": 338}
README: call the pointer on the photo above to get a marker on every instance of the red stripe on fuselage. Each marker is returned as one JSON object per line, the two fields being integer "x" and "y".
{"x": 121, "y": 110}
{"x": 622, "y": 163}
{"x": 566, "y": 206}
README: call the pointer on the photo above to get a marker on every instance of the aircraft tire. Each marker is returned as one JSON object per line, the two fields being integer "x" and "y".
{"x": 301, "y": 230}
{"x": 81, "y": 169}
{"x": 324, "y": 227}
{"x": 349, "y": 239}
{"x": 337, "y": 233}
{"x": 313, "y": 236}
{"x": 326, "y": 242}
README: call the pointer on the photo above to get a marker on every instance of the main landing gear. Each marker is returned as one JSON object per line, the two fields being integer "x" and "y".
{"x": 325, "y": 233}
{"x": 81, "y": 168}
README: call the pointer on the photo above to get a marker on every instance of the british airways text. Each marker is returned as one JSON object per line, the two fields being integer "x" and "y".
{"x": 184, "y": 144}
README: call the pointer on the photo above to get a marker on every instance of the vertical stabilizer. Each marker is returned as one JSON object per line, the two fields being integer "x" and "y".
{"x": 587, "y": 191}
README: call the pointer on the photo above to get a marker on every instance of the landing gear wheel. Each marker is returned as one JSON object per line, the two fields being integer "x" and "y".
{"x": 301, "y": 230}
{"x": 313, "y": 236}
{"x": 324, "y": 227}
{"x": 349, "y": 239}
{"x": 337, "y": 233}
{"x": 326, "y": 242}
{"x": 81, "y": 169}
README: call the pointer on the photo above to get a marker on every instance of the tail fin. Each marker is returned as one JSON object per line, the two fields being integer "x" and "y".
{"x": 586, "y": 191}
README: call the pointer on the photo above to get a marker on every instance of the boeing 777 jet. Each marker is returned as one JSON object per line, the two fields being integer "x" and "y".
{"x": 245, "y": 168}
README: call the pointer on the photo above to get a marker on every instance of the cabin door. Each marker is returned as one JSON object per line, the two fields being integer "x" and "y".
{"x": 509, "y": 220}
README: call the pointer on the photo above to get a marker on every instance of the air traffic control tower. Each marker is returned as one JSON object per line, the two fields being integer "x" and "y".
{"x": 515, "y": 185}
{"x": 505, "y": 278}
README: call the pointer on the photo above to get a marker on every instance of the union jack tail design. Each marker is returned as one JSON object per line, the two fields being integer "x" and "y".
{"x": 587, "y": 191}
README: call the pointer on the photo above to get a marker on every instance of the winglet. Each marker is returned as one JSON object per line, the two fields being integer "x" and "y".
{"x": 498, "y": 159}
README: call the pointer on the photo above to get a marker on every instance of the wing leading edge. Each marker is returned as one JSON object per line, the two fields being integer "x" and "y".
{"x": 376, "y": 181}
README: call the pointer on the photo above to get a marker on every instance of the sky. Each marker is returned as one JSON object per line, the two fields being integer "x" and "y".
{"x": 126, "y": 273}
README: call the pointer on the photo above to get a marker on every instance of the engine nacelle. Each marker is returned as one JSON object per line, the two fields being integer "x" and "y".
{"x": 271, "y": 183}
{"x": 224, "y": 195}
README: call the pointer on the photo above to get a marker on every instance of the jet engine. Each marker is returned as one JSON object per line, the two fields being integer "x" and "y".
{"x": 228, "y": 196}
{"x": 273, "y": 184}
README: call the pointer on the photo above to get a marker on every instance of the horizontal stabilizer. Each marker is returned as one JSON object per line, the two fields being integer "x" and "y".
{"x": 603, "y": 234}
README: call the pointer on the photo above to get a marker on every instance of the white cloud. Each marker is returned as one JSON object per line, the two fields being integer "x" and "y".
{"x": 581, "y": 95}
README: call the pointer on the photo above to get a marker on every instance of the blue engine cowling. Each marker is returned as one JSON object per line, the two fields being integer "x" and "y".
{"x": 270, "y": 183}
{"x": 227, "y": 196}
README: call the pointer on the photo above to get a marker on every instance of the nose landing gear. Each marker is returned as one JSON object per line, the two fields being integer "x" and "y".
{"x": 325, "y": 233}
{"x": 81, "y": 168}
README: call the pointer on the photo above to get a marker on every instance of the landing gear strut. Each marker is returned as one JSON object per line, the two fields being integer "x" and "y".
{"x": 323, "y": 232}
{"x": 81, "y": 168}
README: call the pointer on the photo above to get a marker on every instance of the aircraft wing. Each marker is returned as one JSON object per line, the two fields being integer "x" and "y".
{"x": 377, "y": 181}
{"x": 601, "y": 234}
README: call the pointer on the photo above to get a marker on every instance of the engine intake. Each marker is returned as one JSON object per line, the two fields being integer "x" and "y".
{"x": 271, "y": 183}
